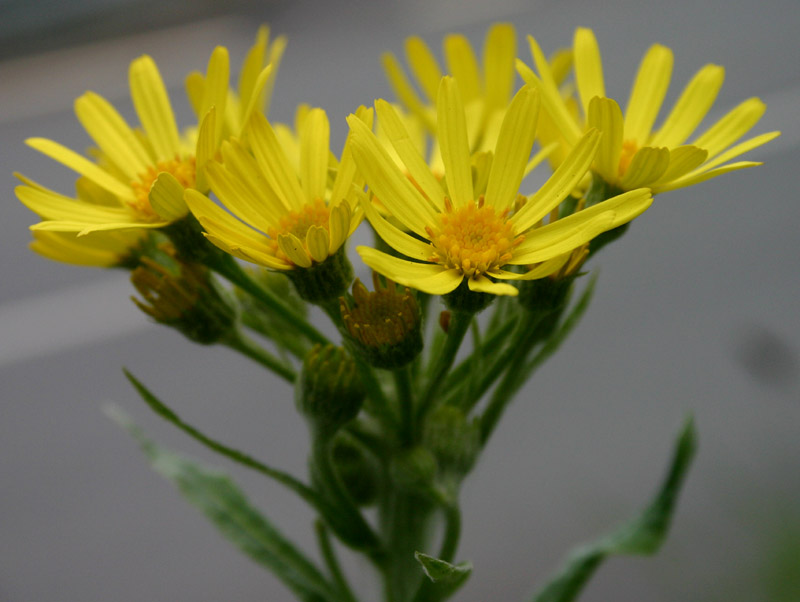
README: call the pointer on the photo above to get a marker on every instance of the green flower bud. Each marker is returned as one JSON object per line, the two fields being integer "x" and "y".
{"x": 383, "y": 326}
{"x": 414, "y": 470}
{"x": 323, "y": 282}
{"x": 452, "y": 439}
{"x": 357, "y": 471}
{"x": 186, "y": 298}
{"x": 329, "y": 392}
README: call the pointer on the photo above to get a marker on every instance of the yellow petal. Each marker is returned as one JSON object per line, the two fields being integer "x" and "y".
{"x": 221, "y": 224}
{"x": 605, "y": 115}
{"x": 255, "y": 99}
{"x": 253, "y": 65}
{"x": 731, "y": 127}
{"x": 347, "y": 175}
{"x": 275, "y": 54}
{"x": 248, "y": 253}
{"x": 195, "y": 84}
{"x": 423, "y": 66}
{"x": 166, "y": 197}
{"x": 153, "y": 107}
{"x": 647, "y": 166}
{"x": 398, "y": 240}
{"x": 216, "y": 88}
{"x": 452, "y": 136}
{"x": 482, "y": 284}
{"x": 82, "y": 165}
{"x": 404, "y": 91}
{"x": 701, "y": 175}
{"x": 514, "y": 145}
{"x": 273, "y": 162}
{"x": 385, "y": 180}
{"x": 551, "y": 95}
{"x": 206, "y": 148}
{"x": 317, "y": 241}
{"x": 235, "y": 193}
{"x": 112, "y": 134}
{"x": 694, "y": 103}
{"x": 53, "y": 206}
{"x": 560, "y": 184}
{"x": 682, "y": 160}
{"x": 499, "y": 54}
{"x": 339, "y": 226}
{"x": 262, "y": 200}
{"x": 314, "y": 150}
{"x": 647, "y": 94}
{"x": 430, "y": 278}
{"x": 462, "y": 64}
{"x": 588, "y": 67}
{"x": 740, "y": 149}
{"x": 406, "y": 149}
{"x": 292, "y": 247}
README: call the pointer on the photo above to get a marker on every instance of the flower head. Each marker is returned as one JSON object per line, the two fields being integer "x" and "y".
{"x": 142, "y": 173}
{"x": 465, "y": 228}
{"x": 485, "y": 91}
{"x": 282, "y": 216}
{"x": 632, "y": 153}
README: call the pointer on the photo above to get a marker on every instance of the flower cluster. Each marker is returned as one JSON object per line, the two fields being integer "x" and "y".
{"x": 399, "y": 410}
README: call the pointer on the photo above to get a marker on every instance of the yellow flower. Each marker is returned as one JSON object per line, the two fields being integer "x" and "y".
{"x": 486, "y": 92}
{"x": 474, "y": 228}
{"x": 283, "y": 217}
{"x": 143, "y": 173}
{"x": 254, "y": 90}
{"x": 632, "y": 153}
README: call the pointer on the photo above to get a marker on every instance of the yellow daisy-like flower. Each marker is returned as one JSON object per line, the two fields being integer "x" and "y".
{"x": 144, "y": 173}
{"x": 280, "y": 217}
{"x": 254, "y": 90}
{"x": 632, "y": 153}
{"x": 471, "y": 231}
{"x": 486, "y": 91}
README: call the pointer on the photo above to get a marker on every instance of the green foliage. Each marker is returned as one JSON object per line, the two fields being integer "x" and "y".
{"x": 224, "y": 504}
{"x": 639, "y": 537}
{"x": 448, "y": 578}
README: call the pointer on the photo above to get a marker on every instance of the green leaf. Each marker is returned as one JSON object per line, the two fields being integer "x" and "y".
{"x": 641, "y": 536}
{"x": 446, "y": 577}
{"x": 352, "y": 530}
{"x": 224, "y": 504}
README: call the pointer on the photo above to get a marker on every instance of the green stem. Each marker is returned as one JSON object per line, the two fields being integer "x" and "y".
{"x": 294, "y": 345}
{"x": 427, "y": 589}
{"x": 459, "y": 324}
{"x": 405, "y": 518}
{"x": 336, "y": 494}
{"x": 405, "y": 400}
{"x": 246, "y": 346}
{"x": 329, "y": 556}
{"x": 517, "y": 352}
{"x": 227, "y": 266}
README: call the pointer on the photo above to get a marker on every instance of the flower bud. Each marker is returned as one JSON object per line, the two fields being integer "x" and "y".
{"x": 414, "y": 470}
{"x": 186, "y": 298}
{"x": 383, "y": 326}
{"x": 329, "y": 391}
{"x": 452, "y": 439}
{"x": 358, "y": 472}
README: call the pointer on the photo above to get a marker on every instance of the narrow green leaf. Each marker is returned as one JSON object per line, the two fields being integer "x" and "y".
{"x": 641, "y": 536}
{"x": 224, "y": 504}
{"x": 354, "y": 533}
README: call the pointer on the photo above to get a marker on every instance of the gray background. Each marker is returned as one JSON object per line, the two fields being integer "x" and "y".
{"x": 696, "y": 310}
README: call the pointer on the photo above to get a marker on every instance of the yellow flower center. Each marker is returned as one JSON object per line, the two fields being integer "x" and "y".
{"x": 182, "y": 169}
{"x": 298, "y": 222}
{"x": 629, "y": 148}
{"x": 473, "y": 239}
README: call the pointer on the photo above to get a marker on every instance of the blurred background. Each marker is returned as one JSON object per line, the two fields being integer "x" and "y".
{"x": 696, "y": 311}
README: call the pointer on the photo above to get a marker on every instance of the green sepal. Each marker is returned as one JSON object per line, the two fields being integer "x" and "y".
{"x": 467, "y": 301}
{"x": 447, "y": 577}
{"x": 641, "y": 536}
{"x": 224, "y": 504}
{"x": 323, "y": 282}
